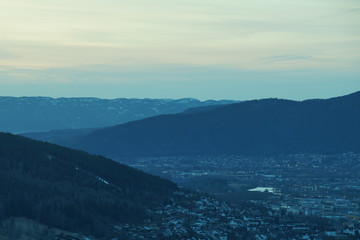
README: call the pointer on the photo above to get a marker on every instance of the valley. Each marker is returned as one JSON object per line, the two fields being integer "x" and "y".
{"x": 179, "y": 120}
{"x": 263, "y": 169}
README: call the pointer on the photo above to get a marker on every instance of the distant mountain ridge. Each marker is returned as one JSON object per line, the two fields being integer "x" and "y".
{"x": 258, "y": 127}
{"x": 45, "y": 113}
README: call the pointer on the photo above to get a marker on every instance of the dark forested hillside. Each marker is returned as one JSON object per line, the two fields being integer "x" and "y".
{"x": 259, "y": 127}
{"x": 73, "y": 190}
{"x": 44, "y": 113}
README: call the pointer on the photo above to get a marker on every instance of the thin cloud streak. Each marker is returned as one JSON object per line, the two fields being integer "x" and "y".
{"x": 286, "y": 57}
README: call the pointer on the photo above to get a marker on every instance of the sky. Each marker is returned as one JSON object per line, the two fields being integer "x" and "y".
{"x": 205, "y": 49}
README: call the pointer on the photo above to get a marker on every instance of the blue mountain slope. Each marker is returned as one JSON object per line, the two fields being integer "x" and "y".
{"x": 259, "y": 127}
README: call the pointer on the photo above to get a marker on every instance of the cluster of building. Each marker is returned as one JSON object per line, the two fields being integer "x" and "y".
{"x": 195, "y": 216}
{"x": 312, "y": 197}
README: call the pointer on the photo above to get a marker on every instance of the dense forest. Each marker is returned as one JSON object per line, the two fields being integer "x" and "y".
{"x": 73, "y": 190}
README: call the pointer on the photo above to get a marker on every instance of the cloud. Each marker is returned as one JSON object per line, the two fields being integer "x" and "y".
{"x": 284, "y": 58}
{"x": 4, "y": 54}
{"x": 249, "y": 35}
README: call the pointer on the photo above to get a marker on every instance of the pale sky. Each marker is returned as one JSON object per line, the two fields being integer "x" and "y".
{"x": 206, "y": 49}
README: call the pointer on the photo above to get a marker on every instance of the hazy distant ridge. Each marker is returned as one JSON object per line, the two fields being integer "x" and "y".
{"x": 36, "y": 114}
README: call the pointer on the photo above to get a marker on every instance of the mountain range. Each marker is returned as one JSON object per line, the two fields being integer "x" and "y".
{"x": 258, "y": 127}
{"x": 45, "y": 185}
{"x": 44, "y": 113}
